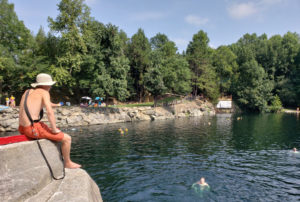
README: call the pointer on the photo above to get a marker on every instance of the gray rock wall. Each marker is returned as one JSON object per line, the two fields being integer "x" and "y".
{"x": 79, "y": 116}
{"x": 24, "y": 175}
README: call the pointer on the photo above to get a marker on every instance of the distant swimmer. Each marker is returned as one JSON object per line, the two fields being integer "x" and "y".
{"x": 202, "y": 182}
{"x": 121, "y": 131}
{"x": 200, "y": 186}
{"x": 295, "y": 150}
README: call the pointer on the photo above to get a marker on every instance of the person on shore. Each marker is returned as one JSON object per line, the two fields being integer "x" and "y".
{"x": 7, "y": 101}
{"x": 12, "y": 101}
{"x": 31, "y": 112}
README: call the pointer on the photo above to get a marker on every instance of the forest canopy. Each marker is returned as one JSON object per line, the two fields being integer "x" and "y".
{"x": 87, "y": 57}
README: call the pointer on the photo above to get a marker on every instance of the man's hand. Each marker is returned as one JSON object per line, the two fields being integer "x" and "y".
{"x": 56, "y": 131}
{"x": 55, "y": 105}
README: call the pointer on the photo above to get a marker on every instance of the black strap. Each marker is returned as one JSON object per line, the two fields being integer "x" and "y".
{"x": 40, "y": 147}
{"x": 27, "y": 111}
{"x": 64, "y": 174}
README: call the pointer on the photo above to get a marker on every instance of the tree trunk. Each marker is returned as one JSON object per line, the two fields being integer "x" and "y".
{"x": 155, "y": 101}
{"x": 106, "y": 101}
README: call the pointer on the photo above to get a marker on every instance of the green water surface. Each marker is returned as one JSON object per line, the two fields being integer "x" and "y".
{"x": 242, "y": 160}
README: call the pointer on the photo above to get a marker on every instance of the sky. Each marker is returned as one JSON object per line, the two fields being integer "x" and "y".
{"x": 224, "y": 21}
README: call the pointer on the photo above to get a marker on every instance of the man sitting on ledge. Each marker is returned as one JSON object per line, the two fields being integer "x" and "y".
{"x": 29, "y": 122}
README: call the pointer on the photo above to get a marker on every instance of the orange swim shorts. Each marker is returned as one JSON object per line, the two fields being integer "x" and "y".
{"x": 42, "y": 132}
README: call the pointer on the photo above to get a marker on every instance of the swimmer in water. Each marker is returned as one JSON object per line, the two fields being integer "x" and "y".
{"x": 202, "y": 182}
{"x": 295, "y": 150}
{"x": 200, "y": 186}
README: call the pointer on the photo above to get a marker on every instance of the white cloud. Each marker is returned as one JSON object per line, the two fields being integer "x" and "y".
{"x": 250, "y": 8}
{"x": 242, "y": 10}
{"x": 195, "y": 20}
{"x": 147, "y": 16}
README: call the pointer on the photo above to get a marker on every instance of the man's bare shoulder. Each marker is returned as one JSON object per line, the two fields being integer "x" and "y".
{"x": 42, "y": 92}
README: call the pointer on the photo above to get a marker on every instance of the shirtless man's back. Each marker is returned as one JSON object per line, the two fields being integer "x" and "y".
{"x": 37, "y": 99}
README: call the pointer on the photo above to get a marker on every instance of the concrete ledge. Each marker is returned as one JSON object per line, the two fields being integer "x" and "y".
{"x": 24, "y": 175}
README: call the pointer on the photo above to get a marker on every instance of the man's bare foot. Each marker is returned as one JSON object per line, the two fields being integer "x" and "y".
{"x": 72, "y": 165}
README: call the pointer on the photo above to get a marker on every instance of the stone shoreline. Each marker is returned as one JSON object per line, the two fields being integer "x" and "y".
{"x": 80, "y": 116}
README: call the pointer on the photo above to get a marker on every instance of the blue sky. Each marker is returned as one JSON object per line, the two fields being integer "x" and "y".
{"x": 225, "y": 21}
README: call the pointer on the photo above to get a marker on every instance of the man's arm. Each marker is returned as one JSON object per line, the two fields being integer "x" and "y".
{"x": 55, "y": 105}
{"x": 50, "y": 114}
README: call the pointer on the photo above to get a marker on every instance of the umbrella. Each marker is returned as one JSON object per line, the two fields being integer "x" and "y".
{"x": 86, "y": 97}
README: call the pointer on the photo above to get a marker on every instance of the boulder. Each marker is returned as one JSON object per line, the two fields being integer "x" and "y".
{"x": 24, "y": 175}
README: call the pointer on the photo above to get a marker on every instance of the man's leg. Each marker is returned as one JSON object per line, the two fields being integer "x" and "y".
{"x": 66, "y": 148}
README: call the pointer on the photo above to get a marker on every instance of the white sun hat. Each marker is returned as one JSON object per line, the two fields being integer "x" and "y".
{"x": 43, "y": 80}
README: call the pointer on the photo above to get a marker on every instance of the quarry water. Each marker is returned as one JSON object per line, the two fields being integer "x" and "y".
{"x": 249, "y": 159}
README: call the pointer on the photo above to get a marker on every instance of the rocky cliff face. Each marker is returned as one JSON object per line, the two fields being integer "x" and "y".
{"x": 24, "y": 175}
{"x": 78, "y": 116}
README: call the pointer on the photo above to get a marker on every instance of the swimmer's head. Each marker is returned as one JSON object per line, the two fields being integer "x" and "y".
{"x": 294, "y": 149}
{"x": 202, "y": 180}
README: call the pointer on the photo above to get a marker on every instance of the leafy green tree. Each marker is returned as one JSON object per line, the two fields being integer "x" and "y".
{"x": 92, "y": 34}
{"x": 154, "y": 83}
{"x": 286, "y": 71}
{"x": 224, "y": 61}
{"x": 13, "y": 34}
{"x": 252, "y": 90}
{"x": 276, "y": 104}
{"x": 15, "y": 46}
{"x": 204, "y": 76}
{"x": 173, "y": 67}
{"x": 112, "y": 69}
{"x": 177, "y": 75}
{"x": 74, "y": 14}
{"x": 138, "y": 53}
{"x": 163, "y": 44}
{"x": 295, "y": 78}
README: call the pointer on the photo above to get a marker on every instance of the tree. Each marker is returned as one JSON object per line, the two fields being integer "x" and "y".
{"x": 286, "y": 72}
{"x": 204, "y": 76}
{"x": 112, "y": 68}
{"x": 224, "y": 61}
{"x": 15, "y": 46}
{"x": 177, "y": 75}
{"x": 138, "y": 54}
{"x": 154, "y": 83}
{"x": 13, "y": 34}
{"x": 276, "y": 104}
{"x": 69, "y": 23}
{"x": 163, "y": 44}
{"x": 252, "y": 90}
{"x": 173, "y": 67}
